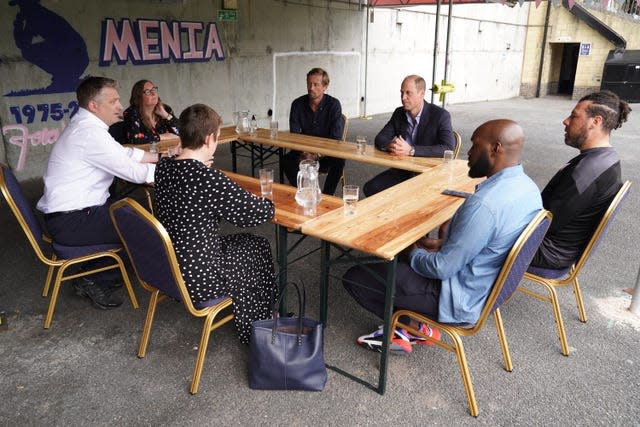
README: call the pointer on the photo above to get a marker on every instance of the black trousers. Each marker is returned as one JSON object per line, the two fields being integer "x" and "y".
{"x": 413, "y": 291}
{"x": 85, "y": 227}
{"x": 385, "y": 180}
{"x": 88, "y": 226}
{"x": 331, "y": 165}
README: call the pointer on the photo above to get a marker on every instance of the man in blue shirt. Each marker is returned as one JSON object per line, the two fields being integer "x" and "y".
{"x": 316, "y": 114}
{"x": 450, "y": 279}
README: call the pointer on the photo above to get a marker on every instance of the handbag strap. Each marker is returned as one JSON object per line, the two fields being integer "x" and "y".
{"x": 301, "y": 305}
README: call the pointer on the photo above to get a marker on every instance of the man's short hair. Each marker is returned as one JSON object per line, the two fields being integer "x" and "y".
{"x": 609, "y": 106}
{"x": 421, "y": 85}
{"x": 90, "y": 88}
{"x": 320, "y": 71}
{"x": 196, "y": 123}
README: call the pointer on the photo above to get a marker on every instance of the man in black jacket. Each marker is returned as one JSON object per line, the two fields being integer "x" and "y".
{"x": 318, "y": 114}
{"x": 415, "y": 129}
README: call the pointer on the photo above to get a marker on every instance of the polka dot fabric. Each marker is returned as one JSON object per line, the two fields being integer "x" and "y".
{"x": 191, "y": 201}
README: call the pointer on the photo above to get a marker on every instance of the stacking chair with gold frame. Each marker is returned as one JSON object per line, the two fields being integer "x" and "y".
{"x": 551, "y": 278}
{"x": 53, "y": 254}
{"x": 345, "y": 130}
{"x": 153, "y": 258}
{"x": 458, "y": 138}
{"x": 514, "y": 266}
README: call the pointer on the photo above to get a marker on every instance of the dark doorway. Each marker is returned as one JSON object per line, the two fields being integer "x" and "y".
{"x": 568, "y": 67}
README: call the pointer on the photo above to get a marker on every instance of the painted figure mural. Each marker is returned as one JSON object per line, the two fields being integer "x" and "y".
{"x": 48, "y": 41}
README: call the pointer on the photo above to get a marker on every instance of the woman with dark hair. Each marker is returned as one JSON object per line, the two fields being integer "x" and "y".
{"x": 147, "y": 119}
{"x": 192, "y": 198}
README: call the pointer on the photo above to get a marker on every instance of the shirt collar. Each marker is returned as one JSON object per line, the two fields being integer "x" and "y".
{"x": 84, "y": 114}
{"x": 504, "y": 173}
{"x": 323, "y": 102}
{"x": 418, "y": 116}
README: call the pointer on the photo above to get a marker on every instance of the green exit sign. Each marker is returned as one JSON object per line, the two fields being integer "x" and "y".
{"x": 227, "y": 15}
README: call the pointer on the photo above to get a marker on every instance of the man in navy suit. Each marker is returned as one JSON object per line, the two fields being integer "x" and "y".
{"x": 415, "y": 129}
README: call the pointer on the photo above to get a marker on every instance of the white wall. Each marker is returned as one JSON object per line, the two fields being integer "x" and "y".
{"x": 485, "y": 59}
{"x": 268, "y": 52}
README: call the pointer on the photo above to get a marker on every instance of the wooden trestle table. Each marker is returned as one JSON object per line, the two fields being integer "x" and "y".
{"x": 384, "y": 225}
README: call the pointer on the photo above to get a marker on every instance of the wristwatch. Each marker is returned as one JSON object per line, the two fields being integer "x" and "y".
{"x": 413, "y": 151}
{"x": 169, "y": 117}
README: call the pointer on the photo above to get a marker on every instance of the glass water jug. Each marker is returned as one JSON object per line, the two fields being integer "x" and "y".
{"x": 243, "y": 124}
{"x": 308, "y": 194}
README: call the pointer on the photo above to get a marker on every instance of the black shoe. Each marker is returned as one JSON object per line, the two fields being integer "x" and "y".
{"x": 101, "y": 295}
{"x": 112, "y": 284}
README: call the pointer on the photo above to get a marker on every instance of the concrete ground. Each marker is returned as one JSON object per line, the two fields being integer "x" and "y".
{"x": 84, "y": 370}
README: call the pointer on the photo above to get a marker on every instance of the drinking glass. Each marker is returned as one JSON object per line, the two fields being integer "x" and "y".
{"x": 361, "y": 144}
{"x": 447, "y": 160}
{"x": 447, "y": 157}
{"x": 350, "y": 199}
{"x": 266, "y": 182}
{"x": 273, "y": 126}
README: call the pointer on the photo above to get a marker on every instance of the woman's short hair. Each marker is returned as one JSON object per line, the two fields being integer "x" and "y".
{"x": 196, "y": 123}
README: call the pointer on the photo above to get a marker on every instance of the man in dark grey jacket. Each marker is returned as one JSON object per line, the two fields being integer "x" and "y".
{"x": 579, "y": 194}
{"x": 415, "y": 129}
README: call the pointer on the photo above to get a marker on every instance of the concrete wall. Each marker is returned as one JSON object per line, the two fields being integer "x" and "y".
{"x": 265, "y": 56}
{"x": 566, "y": 28}
{"x": 485, "y": 58}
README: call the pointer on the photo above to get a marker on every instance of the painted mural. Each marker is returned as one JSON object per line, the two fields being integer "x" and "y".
{"x": 35, "y": 114}
{"x": 148, "y": 41}
{"x": 49, "y": 42}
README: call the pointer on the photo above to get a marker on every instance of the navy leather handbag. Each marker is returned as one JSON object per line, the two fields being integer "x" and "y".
{"x": 286, "y": 353}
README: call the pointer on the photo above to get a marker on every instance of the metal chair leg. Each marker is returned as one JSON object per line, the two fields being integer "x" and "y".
{"x": 202, "y": 352}
{"x": 582, "y": 313}
{"x": 148, "y": 323}
{"x": 464, "y": 372}
{"x": 504, "y": 345}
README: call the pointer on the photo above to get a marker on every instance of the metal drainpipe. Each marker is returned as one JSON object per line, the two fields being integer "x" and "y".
{"x": 366, "y": 62}
{"x": 635, "y": 299}
{"x": 446, "y": 54}
{"x": 544, "y": 45}
{"x": 435, "y": 48}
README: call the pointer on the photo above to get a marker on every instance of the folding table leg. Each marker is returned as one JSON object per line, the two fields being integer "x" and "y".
{"x": 234, "y": 160}
{"x": 324, "y": 279}
{"x": 388, "y": 313}
{"x": 282, "y": 265}
{"x": 280, "y": 168}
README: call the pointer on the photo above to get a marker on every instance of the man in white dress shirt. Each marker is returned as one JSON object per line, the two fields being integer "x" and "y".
{"x": 81, "y": 168}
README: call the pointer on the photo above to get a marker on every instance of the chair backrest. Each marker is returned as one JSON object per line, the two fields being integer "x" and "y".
{"x": 603, "y": 225}
{"x": 23, "y": 211}
{"x": 345, "y": 130}
{"x": 516, "y": 263}
{"x": 118, "y": 133}
{"x": 458, "y": 139}
{"x": 150, "y": 250}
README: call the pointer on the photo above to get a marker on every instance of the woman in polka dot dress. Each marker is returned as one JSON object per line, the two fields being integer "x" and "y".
{"x": 191, "y": 200}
